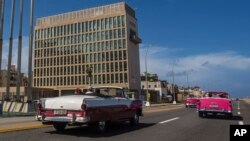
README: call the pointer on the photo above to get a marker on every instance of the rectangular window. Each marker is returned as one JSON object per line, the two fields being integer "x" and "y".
{"x": 114, "y": 22}
{"x": 110, "y": 23}
{"x": 107, "y": 67}
{"x": 121, "y": 78}
{"x": 116, "y": 78}
{"x": 118, "y": 21}
{"x": 106, "y": 23}
{"x": 98, "y": 24}
{"x": 125, "y": 66}
{"x": 123, "y": 20}
{"x": 103, "y": 79}
{"x": 102, "y": 24}
{"x": 83, "y": 27}
{"x": 86, "y": 26}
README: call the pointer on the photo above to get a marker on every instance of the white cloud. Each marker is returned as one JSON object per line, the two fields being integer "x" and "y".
{"x": 218, "y": 70}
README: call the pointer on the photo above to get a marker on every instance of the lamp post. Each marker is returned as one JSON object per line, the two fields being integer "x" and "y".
{"x": 174, "y": 102}
{"x": 146, "y": 76}
{"x": 7, "y": 97}
{"x": 89, "y": 72}
{"x": 1, "y": 31}
{"x": 30, "y": 50}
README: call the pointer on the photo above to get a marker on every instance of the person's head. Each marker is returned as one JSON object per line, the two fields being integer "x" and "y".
{"x": 90, "y": 89}
{"x": 97, "y": 90}
{"x": 84, "y": 90}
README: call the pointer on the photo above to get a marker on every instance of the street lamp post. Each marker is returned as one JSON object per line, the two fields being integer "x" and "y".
{"x": 174, "y": 102}
{"x": 146, "y": 76}
{"x": 89, "y": 72}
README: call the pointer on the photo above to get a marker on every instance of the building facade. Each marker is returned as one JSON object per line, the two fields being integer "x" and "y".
{"x": 101, "y": 40}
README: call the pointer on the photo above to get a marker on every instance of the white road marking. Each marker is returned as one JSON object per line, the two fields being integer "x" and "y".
{"x": 169, "y": 120}
{"x": 241, "y": 123}
{"x": 238, "y": 113}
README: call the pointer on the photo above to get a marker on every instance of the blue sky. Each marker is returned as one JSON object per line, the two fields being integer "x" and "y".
{"x": 207, "y": 39}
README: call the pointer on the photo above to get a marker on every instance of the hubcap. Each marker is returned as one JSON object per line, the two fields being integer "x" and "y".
{"x": 102, "y": 125}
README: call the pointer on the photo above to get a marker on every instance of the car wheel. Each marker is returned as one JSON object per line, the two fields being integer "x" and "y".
{"x": 59, "y": 126}
{"x": 229, "y": 115}
{"x": 101, "y": 126}
{"x": 201, "y": 114}
{"x": 135, "y": 119}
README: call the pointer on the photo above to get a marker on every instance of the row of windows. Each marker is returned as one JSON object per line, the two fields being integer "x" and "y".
{"x": 82, "y": 48}
{"x": 82, "y": 80}
{"x": 82, "y": 38}
{"x": 81, "y": 69}
{"x": 83, "y": 27}
{"x": 82, "y": 58}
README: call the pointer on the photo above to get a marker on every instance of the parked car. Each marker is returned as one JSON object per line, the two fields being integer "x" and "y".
{"x": 215, "y": 103}
{"x": 105, "y": 105}
{"x": 191, "y": 102}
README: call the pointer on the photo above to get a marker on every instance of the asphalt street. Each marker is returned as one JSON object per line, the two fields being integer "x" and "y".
{"x": 174, "y": 125}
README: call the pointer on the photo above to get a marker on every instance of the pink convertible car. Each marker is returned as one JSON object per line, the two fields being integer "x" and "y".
{"x": 215, "y": 103}
{"x": 191, "y": 102}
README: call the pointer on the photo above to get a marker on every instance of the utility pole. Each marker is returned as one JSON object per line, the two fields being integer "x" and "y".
{"x": 19, "y": 57}
{"x": 146, "y": 76}
{"x": 1, "y": 32}
{"x": 7, "y": 97}
{"x": 30, "y": 51}
{"x": 174, "y": 102}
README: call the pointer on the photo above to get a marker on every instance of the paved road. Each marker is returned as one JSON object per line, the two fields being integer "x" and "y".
{"x": 175, "y": 125}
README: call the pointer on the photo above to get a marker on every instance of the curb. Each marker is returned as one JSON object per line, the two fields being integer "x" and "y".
{"x": 21, "y": 128}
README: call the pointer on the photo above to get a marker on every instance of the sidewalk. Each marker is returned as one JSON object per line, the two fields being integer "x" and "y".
{"x": 19, "y": 123}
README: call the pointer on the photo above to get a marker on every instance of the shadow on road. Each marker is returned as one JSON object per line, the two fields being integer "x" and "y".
{"x": 223, "y": 117}
{"x": 113, "y": 130}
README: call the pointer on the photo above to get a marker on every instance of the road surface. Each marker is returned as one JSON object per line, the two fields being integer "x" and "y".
{"x": 175, "y": 125}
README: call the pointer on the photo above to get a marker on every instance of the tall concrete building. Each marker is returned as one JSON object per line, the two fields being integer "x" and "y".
{"x": 101, "y": 39}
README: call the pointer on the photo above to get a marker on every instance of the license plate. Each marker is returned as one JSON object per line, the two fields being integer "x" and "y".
{"x": 213, "y": 106}
{"x": 60, "y": 112}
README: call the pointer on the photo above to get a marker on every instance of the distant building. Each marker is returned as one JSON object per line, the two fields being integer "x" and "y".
{"x": 13, "y": 77}
{"x": 156, "y": 88}
{"x": 101, "y": 40}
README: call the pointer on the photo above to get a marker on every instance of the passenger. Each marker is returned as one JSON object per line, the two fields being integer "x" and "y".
{"x": 209, "y": 95}
{"x": 78, "y": 91}
{"x": 90, "y": 90}
{"x": 97, "y": 91}
{"x": 84, "y": 91}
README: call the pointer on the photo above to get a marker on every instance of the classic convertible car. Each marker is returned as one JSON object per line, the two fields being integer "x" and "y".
{"x": 105, "y": 105}
{"x": 191, "y": 102}
{"x": 215, "y": 103}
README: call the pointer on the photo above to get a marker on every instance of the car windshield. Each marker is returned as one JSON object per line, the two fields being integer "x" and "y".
{"x": 106, "y": 92}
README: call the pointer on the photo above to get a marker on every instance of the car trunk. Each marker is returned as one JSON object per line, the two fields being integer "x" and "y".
{"x": 72, "y": 102}
{"x": 215, "y": 104}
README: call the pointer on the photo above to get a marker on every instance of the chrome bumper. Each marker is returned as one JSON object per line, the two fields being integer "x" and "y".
{"x": 67, "y": 119}
{"x": 215, "y": 111}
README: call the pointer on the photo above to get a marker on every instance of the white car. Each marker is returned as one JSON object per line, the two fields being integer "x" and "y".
{"x": 95, "y": 109}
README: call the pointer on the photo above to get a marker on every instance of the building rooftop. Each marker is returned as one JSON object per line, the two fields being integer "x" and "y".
{"x": 85, "y": 14}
